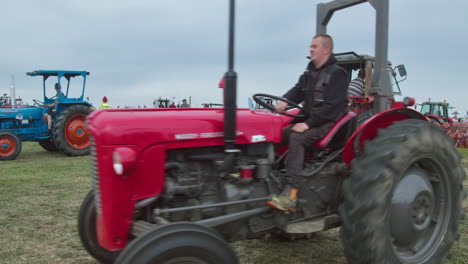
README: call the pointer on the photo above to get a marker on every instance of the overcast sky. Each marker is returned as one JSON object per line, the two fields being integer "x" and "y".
{"x": 140, "y": 50}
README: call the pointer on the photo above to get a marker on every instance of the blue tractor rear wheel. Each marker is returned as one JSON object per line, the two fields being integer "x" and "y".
{"x": 48, "y": 144}
{"x": 69, "y": 131}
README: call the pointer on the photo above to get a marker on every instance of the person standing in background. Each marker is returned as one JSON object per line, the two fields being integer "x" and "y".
{"x": 184, "y": 104}
{"x": 104, "y": 104}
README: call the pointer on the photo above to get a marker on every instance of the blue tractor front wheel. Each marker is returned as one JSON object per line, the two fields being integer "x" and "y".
{"x": 10, "y": 145}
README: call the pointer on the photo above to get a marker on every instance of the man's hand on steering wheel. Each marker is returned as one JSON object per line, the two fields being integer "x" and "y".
{"x": 281, "y": 107}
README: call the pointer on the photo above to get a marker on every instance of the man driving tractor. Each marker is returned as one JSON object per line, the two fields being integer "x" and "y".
{"x": 48, "y": 116}
{"x": 323, "y": 90}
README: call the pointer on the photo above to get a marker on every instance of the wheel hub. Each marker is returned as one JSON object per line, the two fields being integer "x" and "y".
{"x": 412, "y": 208}
{"x": 75, "y": 132}
{"x": 421, "y": 209}
{"x": 7, "y": 146}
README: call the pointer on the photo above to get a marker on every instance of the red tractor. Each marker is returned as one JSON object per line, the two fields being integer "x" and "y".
{"x": 173, "y": 185}
{"x": 436, "y": 112}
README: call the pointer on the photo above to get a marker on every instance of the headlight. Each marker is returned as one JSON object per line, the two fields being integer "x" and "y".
{"x": 409, "y": 101}
{"x": 124, "y": 160}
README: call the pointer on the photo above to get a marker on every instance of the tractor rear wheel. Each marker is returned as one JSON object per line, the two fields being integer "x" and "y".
{"x": 48, "y": 144}
{"x": 179, "y": 243}
{"x": 69, "y": 131}
{"x": 10, "y": 145}
{"x": 402, "y": 202}
{"x": 87, "y": 231}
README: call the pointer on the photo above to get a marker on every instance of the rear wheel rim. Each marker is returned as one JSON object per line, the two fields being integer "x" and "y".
{"x": 7, "y": 146}
{"x": 75, "y": 132}
{"x": 420, "y": 211}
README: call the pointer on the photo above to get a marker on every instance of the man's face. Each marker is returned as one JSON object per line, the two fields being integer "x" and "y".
{"x": 317, "y": 51}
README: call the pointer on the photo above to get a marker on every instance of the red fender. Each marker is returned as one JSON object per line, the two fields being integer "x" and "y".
{"x": 436, "y": 117}
{"x": 367, "y": 131}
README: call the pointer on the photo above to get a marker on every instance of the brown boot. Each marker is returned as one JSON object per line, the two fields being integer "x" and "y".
{"x": 286, "y": 201}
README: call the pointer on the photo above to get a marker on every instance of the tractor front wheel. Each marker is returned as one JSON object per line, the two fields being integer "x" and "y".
{"x": 69, "y": 131}
{"x": 402, "y": 202}
{"x": 10, "y": 145}
{"x": 179, "y": 243}
{"x": 87, "y": 231}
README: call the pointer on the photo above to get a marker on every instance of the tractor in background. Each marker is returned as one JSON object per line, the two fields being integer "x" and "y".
{"x": 172, "y": 186}
{"x": 212, "y": 105}
{"x": 161, "y": 103}
{"x": 29, "y": 123}
{"x": 6, "y": 102}
{"x": 352, "y": 63}
{"x": 436, "y": 112}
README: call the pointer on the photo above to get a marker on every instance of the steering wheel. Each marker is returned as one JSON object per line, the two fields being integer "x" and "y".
{"x": 291, "y": 105}
{"x": 37, "y": 102}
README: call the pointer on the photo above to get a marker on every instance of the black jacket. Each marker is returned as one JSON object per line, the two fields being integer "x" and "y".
{"x": 323, "y": 91}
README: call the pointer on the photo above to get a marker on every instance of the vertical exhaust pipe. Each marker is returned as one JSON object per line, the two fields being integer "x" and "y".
{"x": 230, "y": 100}
{"x": 230, "y": 89}
{"x": 13, "y": 92}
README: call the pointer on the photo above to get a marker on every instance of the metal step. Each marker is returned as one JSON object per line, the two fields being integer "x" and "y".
{"x": 314, "y": 225}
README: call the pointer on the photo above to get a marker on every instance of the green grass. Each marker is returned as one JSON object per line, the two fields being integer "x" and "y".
{"x": 41, "y": 192}
{"x": 464, "y": 152}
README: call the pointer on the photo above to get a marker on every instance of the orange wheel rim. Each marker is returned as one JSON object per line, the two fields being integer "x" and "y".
{"x": 75, "y": 132}
{"x": 7, "y": 146}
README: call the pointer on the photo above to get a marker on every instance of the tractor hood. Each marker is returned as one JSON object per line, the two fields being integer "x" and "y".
{"x": 138, "y": 139}
{"x": 22, "y": 113}
{"x": 180, "y": 128}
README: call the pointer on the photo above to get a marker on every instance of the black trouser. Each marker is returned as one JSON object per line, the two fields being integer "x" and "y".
{"x": 298, "y": 143}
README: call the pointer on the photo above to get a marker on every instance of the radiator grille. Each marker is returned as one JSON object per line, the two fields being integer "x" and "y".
{"x": 95, "y": 173}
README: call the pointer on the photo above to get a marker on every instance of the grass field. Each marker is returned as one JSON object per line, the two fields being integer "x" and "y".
{"x": 40, "y": 194}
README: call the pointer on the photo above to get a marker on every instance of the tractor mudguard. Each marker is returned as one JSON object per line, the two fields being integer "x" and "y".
{"x": 438, "y": 118}
{"x": 368, "y": 130}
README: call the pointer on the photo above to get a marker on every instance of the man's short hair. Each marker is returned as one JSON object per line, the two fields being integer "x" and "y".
{"x": 361, "y": 74}
{"x": 327, "y": 40}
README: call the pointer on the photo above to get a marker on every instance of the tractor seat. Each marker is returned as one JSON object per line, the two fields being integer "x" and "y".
{"x": 339, "y": 133}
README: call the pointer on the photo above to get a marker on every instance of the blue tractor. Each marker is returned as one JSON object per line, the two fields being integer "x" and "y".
{"x": 66, "y": 112}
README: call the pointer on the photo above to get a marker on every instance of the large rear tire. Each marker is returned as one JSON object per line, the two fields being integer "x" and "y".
{"x": 10, "y": 145}
{"x": 69, "y": 131}
{"x": 48, "y": 144}
{"x": 87, "y": 231}
{"x": 178, "y": 243}
{"x": 402, "y": 202}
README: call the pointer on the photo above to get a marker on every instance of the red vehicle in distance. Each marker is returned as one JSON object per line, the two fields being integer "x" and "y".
{"x": 436, "y": 112}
